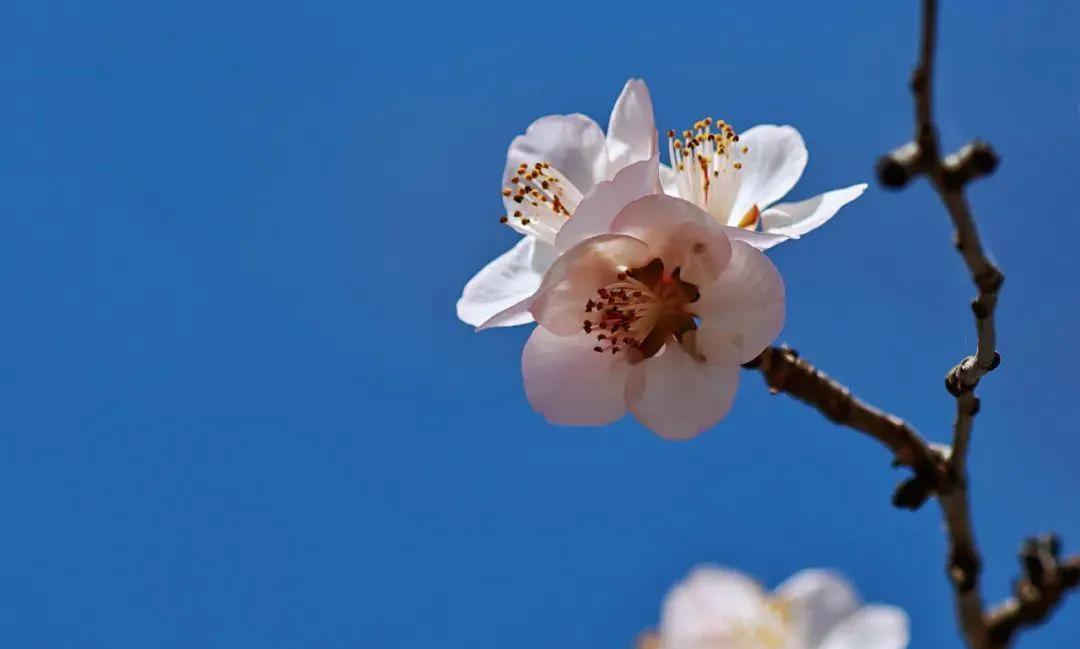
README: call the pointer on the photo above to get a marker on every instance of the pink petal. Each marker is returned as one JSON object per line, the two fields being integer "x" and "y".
{"x": 559, "y": 304}
{"x": 678, "y": 397}
{"x": 683, "y": 235}
{"x": 631, "y": 132}
{"x": 742, "y": 312}
{"x": 599, "y": 208}
{"x": 569, "y": 383}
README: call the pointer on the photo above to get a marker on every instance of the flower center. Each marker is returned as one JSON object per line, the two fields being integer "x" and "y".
{"x": 643, "y": 309}
{"x": 543, "y": 199}
{"x": 707, "y": 164}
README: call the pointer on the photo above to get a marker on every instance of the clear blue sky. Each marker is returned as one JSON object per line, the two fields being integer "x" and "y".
{"x": 236, "y": 408}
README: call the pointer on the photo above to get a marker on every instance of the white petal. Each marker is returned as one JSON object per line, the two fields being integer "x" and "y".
{"x": 513, "y": 315}
{"x": 794, "y": 219}
{"x": 631, "y": 132}
{"x": 510, "y": 278}
{"x": 872, "y": 627}
{"x": 817, "y": 600}
{"x": 681, "y": 233}
{"x": 759, "y": 240}
{"x": 573, "y": 144}
{"x": 742, "y": 311}
{"x": 575, "y": 276}
{"x": 678, "y": 397}
{"x": 775, "y": 159}
{"x": 669, "y": 180}
{"x": 569, "y": 383}
{"x": 598, "y": 209}
{"x": 711, "y": 602}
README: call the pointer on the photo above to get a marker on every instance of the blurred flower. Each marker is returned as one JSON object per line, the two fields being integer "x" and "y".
{"x": 549, "y": 169}
{"x": 650, "y": 307}
{"x": 715, "y": 608}
{"x": 736, "y": 178}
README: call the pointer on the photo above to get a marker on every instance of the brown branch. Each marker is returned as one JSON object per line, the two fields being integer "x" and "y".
{"x": 1046, "y": 581}
{"x": 949, "y": 176}
{"x": 785, "y": 372}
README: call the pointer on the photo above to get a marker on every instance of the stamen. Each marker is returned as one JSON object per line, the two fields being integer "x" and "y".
{"x": 545, "y": 199}
{"x": 707, "y": 164}
{"x": 642, "y": 309}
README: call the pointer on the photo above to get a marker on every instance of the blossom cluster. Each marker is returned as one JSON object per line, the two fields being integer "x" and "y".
{"x": 648, "y": 282}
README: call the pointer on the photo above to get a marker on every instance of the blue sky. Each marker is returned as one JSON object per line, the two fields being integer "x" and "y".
{"x": 236, "y": 407}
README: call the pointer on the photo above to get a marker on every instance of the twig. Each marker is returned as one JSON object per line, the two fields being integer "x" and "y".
{"x": 1046, "y": 581}
{"x": 949, "y": 176}
{"x": 785, "y": 372}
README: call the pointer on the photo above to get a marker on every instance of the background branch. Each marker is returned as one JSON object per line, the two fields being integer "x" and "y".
{"x": 949, "y": 176}
{"x": 1046, "y": 579}
{"x": 1045, "y": 582}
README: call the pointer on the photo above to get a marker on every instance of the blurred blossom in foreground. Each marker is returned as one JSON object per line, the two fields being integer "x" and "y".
{"x": 578, "y": 155}
{"x": 716, "y": 608}
{"x": 651, "y": 307}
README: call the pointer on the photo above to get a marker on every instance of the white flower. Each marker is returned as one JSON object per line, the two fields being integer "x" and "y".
{"x": 736, "y": 178}
{"x": 715, "y": 608}
{"x": 651, "y": 307}
{"x": 576, "y": 156}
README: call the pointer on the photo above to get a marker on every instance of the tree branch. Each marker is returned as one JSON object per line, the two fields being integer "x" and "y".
{"x": 785, "y": 372}
{"x": 1046, "y": 581}
{"x": 949, "y": 176}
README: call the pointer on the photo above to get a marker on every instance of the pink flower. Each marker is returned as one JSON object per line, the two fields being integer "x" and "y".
{"x": 651, "y": 307}
{"x": 560, "y": 158}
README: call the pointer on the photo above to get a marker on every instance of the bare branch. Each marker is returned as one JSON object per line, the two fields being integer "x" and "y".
{"x": 1046, "y": 581}
{"x": 949, "y": 177}
{"x": 785, "y": 372}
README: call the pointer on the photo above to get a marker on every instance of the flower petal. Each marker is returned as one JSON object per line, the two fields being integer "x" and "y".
{"x": 711, "y": 602}
{"x": 631, "y": 134}
{"x": 669, "y": 180}
{"x": 598, "y": 209}
{"x": 504, "y": 282}
{"x": 681, "y": 233}
{"x": 569, "y": 383}
{"x": 759, "y": 240}
{"x": 872, "y": 627}
{"x": 575, "y": 276}
{"x": 573, "y": 144}
{"x": 817, "y": 600}
{"x": 742, "y": 311}
{"x": 678, "y": 397}
{"x": 795, "y": 219}
{"x": 773, "y": 163}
